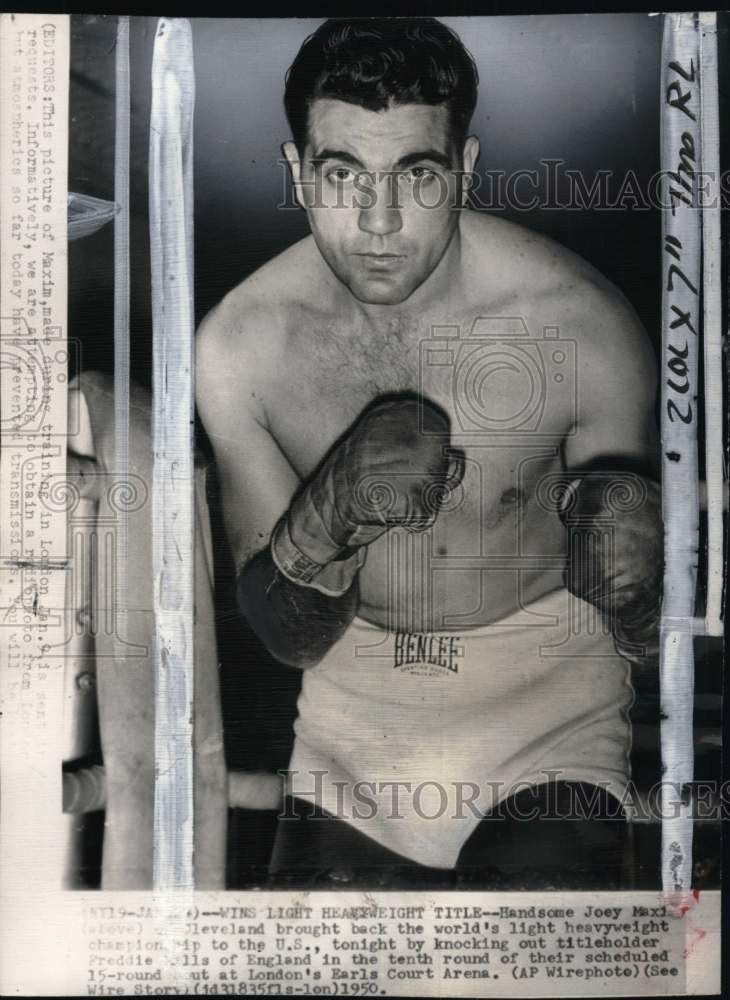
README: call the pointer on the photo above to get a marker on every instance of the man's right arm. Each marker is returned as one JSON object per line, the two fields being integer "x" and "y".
{"x": 297, "y": 624}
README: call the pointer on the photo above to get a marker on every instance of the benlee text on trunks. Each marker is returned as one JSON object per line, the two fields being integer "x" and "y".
{"x": 413, "y": 648}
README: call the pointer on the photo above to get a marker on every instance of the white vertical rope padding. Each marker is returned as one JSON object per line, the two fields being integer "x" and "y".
{"x": 171, "y": 248}
{"x": 681, "y": 256}
{"x": 121, "y": 317}
{"x": 712, "y": 320}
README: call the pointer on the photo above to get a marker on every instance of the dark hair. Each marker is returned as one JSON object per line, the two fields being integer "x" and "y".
{"x": 379, "y": 62}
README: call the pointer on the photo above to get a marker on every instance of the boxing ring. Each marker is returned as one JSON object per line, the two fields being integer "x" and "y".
{"x": 163, "y": 782}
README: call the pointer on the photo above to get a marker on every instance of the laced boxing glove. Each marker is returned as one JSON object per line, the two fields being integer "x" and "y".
{"x": 616, "y": 555}
{"x": 392, "y": 469}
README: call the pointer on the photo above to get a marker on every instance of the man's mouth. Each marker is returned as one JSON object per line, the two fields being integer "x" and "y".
{"x": 380, "y": 256}
{"x": 380, "y": 263}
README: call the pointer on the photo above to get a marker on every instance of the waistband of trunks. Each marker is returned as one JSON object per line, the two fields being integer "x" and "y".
{"x": 546, "y": 611}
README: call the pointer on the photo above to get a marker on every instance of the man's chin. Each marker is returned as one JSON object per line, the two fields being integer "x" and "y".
{"x": 375, "y": 293}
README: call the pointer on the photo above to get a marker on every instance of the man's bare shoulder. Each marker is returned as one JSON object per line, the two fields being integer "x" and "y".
{"x": 529, "y": 263}
{"x": 250, "y": 323}
{"x": 241, "y": 341}
{"x": 551, "y": 286}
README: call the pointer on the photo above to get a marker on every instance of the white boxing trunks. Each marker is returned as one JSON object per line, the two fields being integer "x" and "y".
{"x": 411, "y": 738}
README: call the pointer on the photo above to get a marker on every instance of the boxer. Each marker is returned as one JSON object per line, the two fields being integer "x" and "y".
{"x": 383, "y": 495}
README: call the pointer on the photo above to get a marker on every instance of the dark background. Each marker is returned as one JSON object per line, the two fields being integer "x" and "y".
{"x": 583, "y": 89}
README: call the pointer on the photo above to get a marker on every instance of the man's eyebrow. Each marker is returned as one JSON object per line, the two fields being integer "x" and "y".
{"x": 434, "y": 155}
{"x": 336, "y": 154}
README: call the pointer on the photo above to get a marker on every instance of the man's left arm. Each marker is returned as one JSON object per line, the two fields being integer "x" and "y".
{"x": 613, "y": 504}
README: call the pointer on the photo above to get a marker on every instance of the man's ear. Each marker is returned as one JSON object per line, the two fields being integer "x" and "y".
{"x": 469, "y": 159}
{"x": 291, "y": 153}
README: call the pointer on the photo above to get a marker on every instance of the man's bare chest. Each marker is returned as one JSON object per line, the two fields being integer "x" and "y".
{"x": 507, "y": 393}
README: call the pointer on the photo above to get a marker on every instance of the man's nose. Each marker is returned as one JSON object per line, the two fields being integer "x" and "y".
{"x": 380, "y": 212}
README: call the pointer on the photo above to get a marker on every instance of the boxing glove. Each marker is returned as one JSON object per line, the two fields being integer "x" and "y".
{"x": 616, "y": 555}
{"x": 392, "y": 469}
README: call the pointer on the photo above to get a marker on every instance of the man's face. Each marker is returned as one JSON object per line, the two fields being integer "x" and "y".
{"x": 381, "y": 190}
